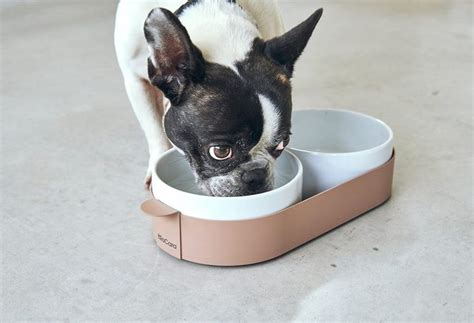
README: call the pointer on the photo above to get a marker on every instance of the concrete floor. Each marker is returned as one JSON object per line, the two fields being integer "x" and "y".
{"x": 76, "y": 247}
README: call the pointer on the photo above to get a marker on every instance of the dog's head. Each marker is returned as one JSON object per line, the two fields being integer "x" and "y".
{"x": 231, "y": 123}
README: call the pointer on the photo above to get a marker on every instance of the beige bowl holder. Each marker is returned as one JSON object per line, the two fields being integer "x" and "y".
{"x": 243, "y": 242}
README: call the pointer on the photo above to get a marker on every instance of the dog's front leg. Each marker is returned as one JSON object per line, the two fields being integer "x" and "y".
{"x": 147, "y": 103}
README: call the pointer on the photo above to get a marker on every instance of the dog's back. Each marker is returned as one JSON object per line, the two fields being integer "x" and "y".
{"x": 130, "y": 44}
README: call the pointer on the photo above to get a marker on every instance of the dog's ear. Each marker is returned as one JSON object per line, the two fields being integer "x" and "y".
{"x": 286, "y": 48}
{"x": 174, "y": 61}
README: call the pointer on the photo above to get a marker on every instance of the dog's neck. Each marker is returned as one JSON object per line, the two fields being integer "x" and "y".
{"x": 222, "y": 30}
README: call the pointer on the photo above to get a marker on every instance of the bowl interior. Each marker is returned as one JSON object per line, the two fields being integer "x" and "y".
{"x": 174, "y": 170}
{"x": 336, "y": 131}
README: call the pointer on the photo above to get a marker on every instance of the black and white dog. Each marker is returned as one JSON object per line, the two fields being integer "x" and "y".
{"x": 213, "y": 78}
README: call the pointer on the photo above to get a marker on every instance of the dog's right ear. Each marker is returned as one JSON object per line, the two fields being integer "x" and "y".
{"x": 174, "y": 61}
{"x": 286, "y": 48}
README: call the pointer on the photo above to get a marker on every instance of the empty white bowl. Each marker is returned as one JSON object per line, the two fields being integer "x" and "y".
{"x": 173, "y": 183}
{"x": 335, "y": 146}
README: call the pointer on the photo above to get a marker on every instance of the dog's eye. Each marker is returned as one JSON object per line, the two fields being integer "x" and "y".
{"x": 220, "y": 152}
{"x": 283, "y": 144}
{"x": 280, "y": 147}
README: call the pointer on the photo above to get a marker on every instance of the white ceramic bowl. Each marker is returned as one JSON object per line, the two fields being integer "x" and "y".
{"x": 173, "y": 183}
{"x": 337, "y": 145}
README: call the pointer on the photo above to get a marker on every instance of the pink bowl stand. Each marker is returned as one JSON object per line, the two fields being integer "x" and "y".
{"x": 243, "y": 242}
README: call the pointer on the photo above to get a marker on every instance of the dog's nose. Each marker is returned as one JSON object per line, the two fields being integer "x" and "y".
{"x": 254, "y": 178}
{"x": 254, "y": 164}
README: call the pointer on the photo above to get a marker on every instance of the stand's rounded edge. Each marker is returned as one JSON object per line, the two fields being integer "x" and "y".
{"x": 156, "y": 208}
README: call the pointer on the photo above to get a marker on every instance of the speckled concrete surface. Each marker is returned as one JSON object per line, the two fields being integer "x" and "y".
{"x": 75, "y": 246}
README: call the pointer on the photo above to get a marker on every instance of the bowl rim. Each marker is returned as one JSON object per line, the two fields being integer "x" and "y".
{"x": 299, "y": 174}
{"x": 373, "y": 149}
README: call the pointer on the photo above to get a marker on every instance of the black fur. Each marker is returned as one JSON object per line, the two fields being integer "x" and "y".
{"x": 286, "y": 49}
{"x": 262, "y": 75}
{"x": 190, "y": 3}
{"x": 223, "y": 109}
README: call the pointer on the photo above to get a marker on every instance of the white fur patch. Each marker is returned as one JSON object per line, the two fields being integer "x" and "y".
{"x": 271, "y": 122}
{"x": 223, "y": 31}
